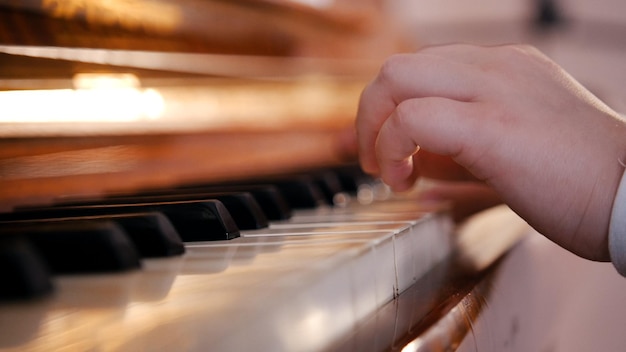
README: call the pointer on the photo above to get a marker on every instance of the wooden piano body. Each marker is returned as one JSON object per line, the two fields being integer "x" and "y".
{"x": 249, "y": 101}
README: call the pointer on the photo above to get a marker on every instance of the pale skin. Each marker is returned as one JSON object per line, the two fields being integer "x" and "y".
{"x": 510, "y": 121}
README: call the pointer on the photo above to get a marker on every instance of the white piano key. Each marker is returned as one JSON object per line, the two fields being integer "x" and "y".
{"x": 427, "y": 242}
{"x": 382, "y": 268}
{"x": 318, "y": 308}
{"x": 327, "y": 228}
{"x": 392, "y": 210}
{"x": 418, "y": 244}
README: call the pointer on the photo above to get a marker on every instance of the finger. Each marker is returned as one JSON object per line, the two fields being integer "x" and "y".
{"x": 438, "y": 125}
{"x": 403, "y": 77}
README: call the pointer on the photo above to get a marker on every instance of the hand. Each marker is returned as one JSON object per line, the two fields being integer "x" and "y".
{"x": 507, "y": 116}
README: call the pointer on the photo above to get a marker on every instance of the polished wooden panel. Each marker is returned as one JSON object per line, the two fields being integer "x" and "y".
{"x": 33, "y": 171}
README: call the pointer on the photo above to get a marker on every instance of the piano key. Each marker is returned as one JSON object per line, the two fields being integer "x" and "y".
{"x": 352, "y": 178}
{"x": 300, "y": 192}
{"x": 418, "y": 243}
{"x": 330, "y": 186}
{"x": 24, "y": 273}
{"x": 426, "y": 219}
{"x": 193, "y": 220}
{"x": 424, "y": 250}
{"x": 152, "y": 233}
{"x": 80, "y": 246}
{"x": 242, "y": 206}
{"x": 329, "y": 215}
{"x": 334, "y": 279}
{"x": 388, "y": 210}
{"x": 382, "y": 265}
{"x": 271, "y": 201}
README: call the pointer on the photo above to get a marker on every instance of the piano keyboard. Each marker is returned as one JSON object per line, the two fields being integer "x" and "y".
{"x": 299, "y": 283}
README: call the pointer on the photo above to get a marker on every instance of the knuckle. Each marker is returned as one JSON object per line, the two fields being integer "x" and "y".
{"x": 391, "y": 67}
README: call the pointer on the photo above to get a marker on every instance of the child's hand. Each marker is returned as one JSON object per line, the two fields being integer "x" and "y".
{"x": 504, "y": 115}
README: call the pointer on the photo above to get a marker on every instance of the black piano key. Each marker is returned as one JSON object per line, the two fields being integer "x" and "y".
{"x": 245, "y": 210}
{"x": 272, "y": 202}
{"x": 80, "y": 246}
{"x": 202, "y": 221}
{"x": 351, "y": 178}
{"x": 193, "y": 220}
{"x": 23, "y": 272}
{"x": 269, "y": 197}
{"x": 298, "y": 191}
{"x": 301, "y": 192}
{"x": 329, "y": 184}
{"x": 242, "y": 206}
{"x": 152, "y": 233}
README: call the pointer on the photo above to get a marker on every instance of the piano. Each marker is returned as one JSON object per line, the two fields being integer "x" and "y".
{"x": 171, "y": 178}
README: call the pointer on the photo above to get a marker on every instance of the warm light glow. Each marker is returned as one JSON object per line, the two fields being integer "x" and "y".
{"x": 97, "y": 98}
{"x": 100, "y": 102}
{"x": 105, "y": 81}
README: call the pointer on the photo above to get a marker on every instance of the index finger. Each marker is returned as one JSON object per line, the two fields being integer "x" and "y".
{"x": 402, "y": 77}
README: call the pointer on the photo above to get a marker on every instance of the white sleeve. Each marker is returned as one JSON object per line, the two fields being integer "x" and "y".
{"x": 617, "y": 229}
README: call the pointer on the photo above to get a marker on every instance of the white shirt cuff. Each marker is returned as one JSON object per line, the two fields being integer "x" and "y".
{"x": 617, "y": 229}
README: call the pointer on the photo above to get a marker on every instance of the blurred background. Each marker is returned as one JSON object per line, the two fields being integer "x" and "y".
{"x": 588, "y": 38}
